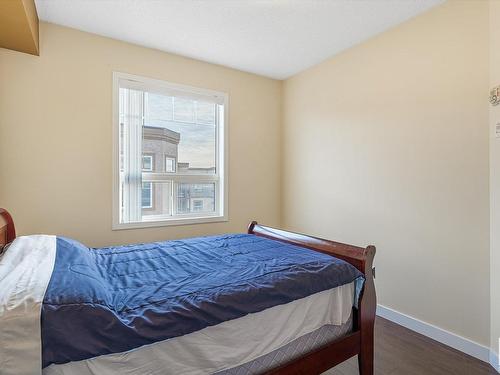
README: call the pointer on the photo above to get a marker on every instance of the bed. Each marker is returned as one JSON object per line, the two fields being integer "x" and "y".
{"x": 267, "y": 301}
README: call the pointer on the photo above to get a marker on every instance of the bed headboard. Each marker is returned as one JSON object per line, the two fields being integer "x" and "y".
{"x": 7, "y": 229}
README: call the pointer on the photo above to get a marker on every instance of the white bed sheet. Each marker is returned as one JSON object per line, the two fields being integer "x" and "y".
{"x": 25, "y": 270}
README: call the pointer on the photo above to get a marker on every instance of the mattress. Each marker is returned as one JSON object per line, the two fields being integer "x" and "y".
{"x": 117, "y": 299}
{"x": 232, "y": 344}
{"x": 293, "y": 350}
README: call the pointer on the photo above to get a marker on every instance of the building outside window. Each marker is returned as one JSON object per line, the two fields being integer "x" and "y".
{"x": 184, "y": 128}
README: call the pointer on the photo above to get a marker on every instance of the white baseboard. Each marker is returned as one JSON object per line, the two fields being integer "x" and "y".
{"x": 494, "y": 360}
{"x": 450, "y": 339}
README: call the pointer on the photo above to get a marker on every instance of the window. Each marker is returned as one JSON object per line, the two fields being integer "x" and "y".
{"x": 147, "y": 163}
{"x": 147, "y": 195}
{"x": 170, "y": 165}
{"x": 184, "y": 126}
{"x": 197, "y": 205}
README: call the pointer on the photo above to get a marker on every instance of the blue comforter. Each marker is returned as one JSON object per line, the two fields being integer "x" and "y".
{"x": 114, "y": 299}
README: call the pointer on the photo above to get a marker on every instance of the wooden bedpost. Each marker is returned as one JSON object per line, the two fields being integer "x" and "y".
{"x": 251, "y": 226}
{"x": 366, "y": 315}
{"x": 7, "y": 229}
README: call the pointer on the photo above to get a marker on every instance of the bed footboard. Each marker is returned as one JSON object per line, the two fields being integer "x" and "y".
{"x": 361, "y": 341}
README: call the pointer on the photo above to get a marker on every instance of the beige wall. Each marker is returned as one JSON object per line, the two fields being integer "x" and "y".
{"x": 495, "y": 177}
{"x": 56, "y": 136}
{"x": 387, "y": 143}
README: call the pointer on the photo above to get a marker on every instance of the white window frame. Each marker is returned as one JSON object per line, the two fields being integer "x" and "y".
{"x": 222, "y": 149}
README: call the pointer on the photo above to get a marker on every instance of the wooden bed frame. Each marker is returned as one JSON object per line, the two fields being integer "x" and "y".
{"x": 358, "y": 342}
{"x": 7, "y": 229}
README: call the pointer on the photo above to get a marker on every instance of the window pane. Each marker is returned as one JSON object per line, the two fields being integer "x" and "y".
{"x": 197, "y": 205}
{"x": 205, "y": 113}
{"x": 158, "y": 108}
{"x": 159, "y": 195}
{"x": 147, "y": 163}
{"x": 189, "y": 136}
{"x": 147, "y": 195}
{"x": 184, "y": 110}
{"x": 195, "y": 198}
{"x": 170, "y": 165}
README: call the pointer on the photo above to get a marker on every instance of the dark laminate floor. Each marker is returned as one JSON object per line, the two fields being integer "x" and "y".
{"x": 399, "y": 351}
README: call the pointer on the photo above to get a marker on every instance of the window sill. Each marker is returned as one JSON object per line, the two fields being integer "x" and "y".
{"x": 170, "y": 222}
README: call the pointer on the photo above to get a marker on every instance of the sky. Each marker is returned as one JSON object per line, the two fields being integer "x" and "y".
{"x": 197, "y": 141}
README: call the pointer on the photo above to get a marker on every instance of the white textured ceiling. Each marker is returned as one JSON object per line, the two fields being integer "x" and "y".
{"x": 274, "y": 38}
